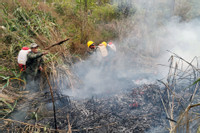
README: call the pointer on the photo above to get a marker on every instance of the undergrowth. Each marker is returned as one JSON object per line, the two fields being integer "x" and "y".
{"x": 25, "y": 21}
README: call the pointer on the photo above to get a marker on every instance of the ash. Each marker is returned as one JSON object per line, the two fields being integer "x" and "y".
{"x": 135, "y": 110}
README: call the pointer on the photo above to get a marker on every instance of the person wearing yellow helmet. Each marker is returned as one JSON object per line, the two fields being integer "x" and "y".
{"x": 90, "y": 43}
{"x": 92, "y": 47}
{"x": 103, "y": 49}
{"x": 104, "y": 43}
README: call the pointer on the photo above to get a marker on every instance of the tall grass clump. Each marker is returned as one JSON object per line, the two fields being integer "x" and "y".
{"x": 24, "y": 25}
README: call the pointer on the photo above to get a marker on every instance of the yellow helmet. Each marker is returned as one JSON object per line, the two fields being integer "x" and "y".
{"x": 89, "y": 43}
{"x": 104, "y": 43}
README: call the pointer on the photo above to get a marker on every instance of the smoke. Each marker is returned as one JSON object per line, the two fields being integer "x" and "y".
{"x": 146, "y": 34}
{"x": 183, "y": 38}
{"x": 164, "y": 25}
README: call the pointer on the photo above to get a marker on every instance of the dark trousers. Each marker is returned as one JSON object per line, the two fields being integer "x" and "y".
{"x": 33, "y": 82}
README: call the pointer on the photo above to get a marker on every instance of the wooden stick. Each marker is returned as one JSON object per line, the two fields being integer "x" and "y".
{"x": 58, "y": 43}
{"x": 50, "y": 88}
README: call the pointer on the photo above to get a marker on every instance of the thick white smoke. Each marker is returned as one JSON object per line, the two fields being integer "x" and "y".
{"x": 183, "y": 38}
{"x": 161, "y": 25}
{"x": 147, "y": 34}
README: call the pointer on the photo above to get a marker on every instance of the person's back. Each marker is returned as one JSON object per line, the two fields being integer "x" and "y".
{"x": 103, "y": 49}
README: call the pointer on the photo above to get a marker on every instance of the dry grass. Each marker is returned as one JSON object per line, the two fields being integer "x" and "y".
{"x": 181, "y": 70}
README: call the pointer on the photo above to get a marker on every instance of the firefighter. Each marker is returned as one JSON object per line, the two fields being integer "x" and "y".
{"x": 91, "y": 47}
{"x": 103, "y": 49}
{"x": 111, "y": 49}
{"x": 34, "y": 64}
{"x": 111, "y": 46}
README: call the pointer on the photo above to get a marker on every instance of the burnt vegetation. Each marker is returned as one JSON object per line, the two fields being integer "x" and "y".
{"x": 170, "y": 105}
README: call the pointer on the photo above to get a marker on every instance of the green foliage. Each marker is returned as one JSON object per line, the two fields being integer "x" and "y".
{"x": 60, "y": 9}
{"x": 86, "y": 18}
{"x": 24, "y": 25}
{"x": 51, "y": 57}
{"x": 198, "y": 80}
{"x": 125, "y": 9}
{"x": 7, "y": 78}
{"x": 27, "y": 22}
{"x": 8, "y": 109}
{"x": 104, "y": 13}
{"x": 198, "y": 130}
{"x": 108, "y": 34}
{"x": 35, "y": 116}
{"x": 32, "y": 21}
{"x": 15, "y": 76}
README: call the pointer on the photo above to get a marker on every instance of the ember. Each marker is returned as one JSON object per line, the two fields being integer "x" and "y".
{"x": 135, "y": 104}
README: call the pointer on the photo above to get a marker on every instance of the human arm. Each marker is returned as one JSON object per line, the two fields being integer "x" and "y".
{"x": 32, "y": 55}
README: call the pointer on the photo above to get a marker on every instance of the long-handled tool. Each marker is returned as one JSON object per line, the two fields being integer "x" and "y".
{"x": 58, "y": 43}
